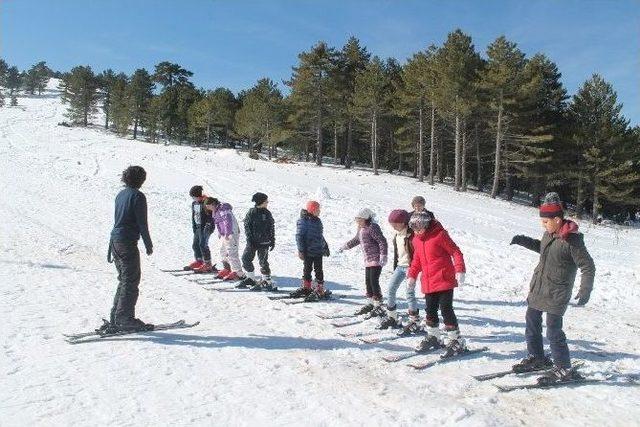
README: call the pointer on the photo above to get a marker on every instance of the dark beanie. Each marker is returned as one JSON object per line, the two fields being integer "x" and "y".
{"x": 196, "y": 191}
{"x": 259, "y": 198}
{"x": 552, "y": 206}
{"x": 399, "y": 216}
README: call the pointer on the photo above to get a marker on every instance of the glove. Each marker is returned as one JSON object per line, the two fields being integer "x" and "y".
{"x": 273, "y": 245}
{"x": 383, "y": 261}
{"x": 411, "y": 281}
{"x": 518, "y": 240}
{"x": 582, "y": 297}
{"x": 460, "y": 278}
{"x": 208, "y": 229}
{"x": 301, "y": 255}
{"x": 149, "y": 250}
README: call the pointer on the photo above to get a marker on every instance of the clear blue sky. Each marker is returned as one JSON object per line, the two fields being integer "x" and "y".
{"x": 233, "y": 43}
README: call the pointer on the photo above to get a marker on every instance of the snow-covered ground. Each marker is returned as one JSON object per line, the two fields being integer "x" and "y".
{"x": 252, "y": 360}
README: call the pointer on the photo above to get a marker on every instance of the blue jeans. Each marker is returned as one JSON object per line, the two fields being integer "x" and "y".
{"x": 399, "y": 276}
{"x": 555, "y": 335}
{"x": 200, "y": 244}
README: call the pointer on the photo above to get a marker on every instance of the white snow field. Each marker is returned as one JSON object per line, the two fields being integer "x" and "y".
{"x": 254, "y": 361}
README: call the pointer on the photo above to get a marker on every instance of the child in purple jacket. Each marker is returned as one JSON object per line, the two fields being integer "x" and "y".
{"x": 374, "y": 246}
{"x": 229, "y": 233}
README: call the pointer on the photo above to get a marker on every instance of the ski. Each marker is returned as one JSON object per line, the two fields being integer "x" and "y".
{"x": 500, "y": 374}
{"x": 508, "y": 388}
{"x": 234, "y": 289}
{"x": 403, "y": 356}
{"x": 336, "y": 316}
{"x": 292, "y": 301}
{"x": 356, "y": 334}
{"x": 345, "y": 323}
{"x": 429, "y": 364}
{"x": 177, "y": 270}
{"x": 95, "y": 336}
{"x": 383, "y": 338}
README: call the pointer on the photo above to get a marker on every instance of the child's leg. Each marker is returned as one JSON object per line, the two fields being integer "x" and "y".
{"x": 204, "y": 245}
{"x": 224, "y": 252}
{"x": 232, "y": 254}
{"x": 317, "y": 268}
{"x": 431, "y": 309}
{"x": 446, "y": 308}
{"x": 247, "y": 259}
{"x": 367, "y": 280}
{"x": 533, "y": 332}
{"x": 399, "y": 274}
{"x": 197, "y": 253}
{"x": 306, "y": 269}
{"x": 558, "y": 341}
{"x": 411, "y": 297}
{"x": 375, "y": 283}
{"x": 263, "y": 259}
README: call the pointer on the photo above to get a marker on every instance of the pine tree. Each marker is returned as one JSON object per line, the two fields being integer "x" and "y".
{"x": 120, "y": 104}
{"x": 538, "y": 128}
{"x": 175, "y": 98}
{"x": 416, "y": 102}
{"x": 501, "y": 80}
{"x": 601, "y": 133}
{"x": 351, "y": 60}
{"x": 36, "y": 78}
{"x": 12, "y": 80}
{"x": 371, "y": 101}
{"x": 312, "y": 92}
{"x": 1, "y": 99}
{"x": 139, "y": 93}
{"x": 3, "y": 71}
{"x": 80, "y": 91}
{"x": 457, "y": 66}
{"x": 107, "y": 80}
{"x": 260, "y": 119}
{"x": 216, "y": 110}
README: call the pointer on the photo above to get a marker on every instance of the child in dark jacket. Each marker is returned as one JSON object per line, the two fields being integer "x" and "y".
{"x": 311, "y": 248}
{"x": 374, "y": 246}
{"x": 259, "y": 228}
{"x": 202, "y": 226}
{"x": 562, "y": 252}
{"x": 440, "y": 263}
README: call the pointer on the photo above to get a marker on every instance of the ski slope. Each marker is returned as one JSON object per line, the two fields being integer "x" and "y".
{"x": 252, "y": 360}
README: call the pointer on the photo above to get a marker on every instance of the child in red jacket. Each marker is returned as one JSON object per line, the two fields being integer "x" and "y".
{"x": 440, "y": 261}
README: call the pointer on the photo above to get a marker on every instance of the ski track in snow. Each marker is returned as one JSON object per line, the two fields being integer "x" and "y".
{"x": 251, "y": 359}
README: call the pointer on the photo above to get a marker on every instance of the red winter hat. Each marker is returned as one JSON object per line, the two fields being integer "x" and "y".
{"x": 399, "y": 216}
{"x": 313, "y": 207}
{"x": 552, "y": 206}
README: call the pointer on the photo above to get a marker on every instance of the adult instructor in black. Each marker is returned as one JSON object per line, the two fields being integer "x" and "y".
{"x": 130, "y": 223}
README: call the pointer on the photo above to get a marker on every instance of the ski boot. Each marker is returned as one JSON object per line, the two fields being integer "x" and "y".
{"x": 318, "y": 294}
{"x": 364, "y": 310}
{"x": 106, "y": 328}
{"x": 247, "y": 282}
{"x": 134, "y": 324}
{"x": 222, "y": 274}
{"x": 558, "y": 375}
{"x": 378, "y": 311}
{"x": 454, "y": 345}
{"x": 303, "y": 291}
{"x": 194, "y": 265}
{"x": 205, "y": 268}
{"x": 412, "y": 326}
{"x": 532, "y": 363}
{"x": 232, "y": 277}
{"x": 390, "y": 321}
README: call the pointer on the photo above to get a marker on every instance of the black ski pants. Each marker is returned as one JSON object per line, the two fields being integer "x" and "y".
{"x": 126, "y": 257}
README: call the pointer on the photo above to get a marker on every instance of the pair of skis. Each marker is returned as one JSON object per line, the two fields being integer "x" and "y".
{"x": 84, "y": 337}
{"x": 289, "y": 300}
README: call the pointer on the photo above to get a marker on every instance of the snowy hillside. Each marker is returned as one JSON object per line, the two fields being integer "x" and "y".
{"x": 252, "y": 359}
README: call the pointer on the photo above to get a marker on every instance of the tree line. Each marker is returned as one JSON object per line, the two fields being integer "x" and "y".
{"x": 501, "y": 122}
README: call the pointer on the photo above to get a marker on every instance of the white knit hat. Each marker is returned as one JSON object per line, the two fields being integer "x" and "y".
{"x": 365, "y": 213}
